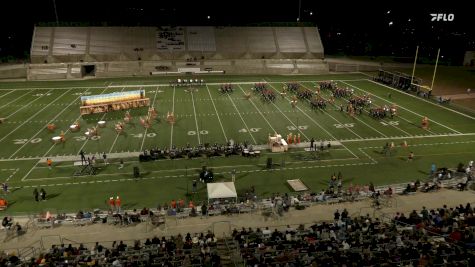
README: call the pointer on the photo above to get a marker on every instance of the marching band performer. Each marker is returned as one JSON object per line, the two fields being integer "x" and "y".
{"x": 61, "y": 135}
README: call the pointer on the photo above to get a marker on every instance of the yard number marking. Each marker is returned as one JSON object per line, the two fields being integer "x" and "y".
{"x": 194, "y": 132}
{"x": 140, "y": 135}
{"x": 82, "y": 93}
{"x": 301, "y": 127}
{"x": 254, "y": 130}
{"x": 344, "y": 125}
{"x": 24, "y": 141}
{"x": 83, "y": 138}
{"x": 393, "y": 123}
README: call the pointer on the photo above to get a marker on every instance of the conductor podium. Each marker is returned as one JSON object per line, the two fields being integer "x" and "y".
{"x": 277, "y": 144}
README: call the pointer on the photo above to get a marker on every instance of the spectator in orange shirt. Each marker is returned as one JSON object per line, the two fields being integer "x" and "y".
{"x": 190, "y": 204}
{"x": 173, "y": 204}
{"x": 181, "y": 203}
{"x": 3, "y": 204}
{"x": 112, "y": 204}
{"x": 118, "y": 204}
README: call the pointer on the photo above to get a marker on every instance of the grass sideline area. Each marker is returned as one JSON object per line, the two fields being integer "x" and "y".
{"x": 207, "y": 116}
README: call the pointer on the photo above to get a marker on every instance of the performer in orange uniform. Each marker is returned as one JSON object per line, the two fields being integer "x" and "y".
{"x": 62, "y": 136}
{"x": 112, "y": 204}
{"x": 117, "y": 204}
{"x": 425, "y": 123}
{"x": 49, "y": 162}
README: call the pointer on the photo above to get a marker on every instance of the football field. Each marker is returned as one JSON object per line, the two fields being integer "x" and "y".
{"x": 205, "y": 115}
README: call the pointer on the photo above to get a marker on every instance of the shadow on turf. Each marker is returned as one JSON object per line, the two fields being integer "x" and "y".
{"x": 14, "y": 189}
{"x": 51, "y": 196}
{"x": 130, "y": 205}
{"x": 11, "y": 203}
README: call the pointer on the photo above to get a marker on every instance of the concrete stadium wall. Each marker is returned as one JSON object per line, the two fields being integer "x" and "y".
{"x": 16, "y": 71}
{"x": 144, "y": 68}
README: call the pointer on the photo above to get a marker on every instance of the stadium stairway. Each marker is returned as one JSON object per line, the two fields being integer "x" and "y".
{"x": 228, "y": 251}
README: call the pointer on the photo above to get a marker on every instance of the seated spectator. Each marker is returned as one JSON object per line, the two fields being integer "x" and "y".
{"x": 463, "y": 184}
{"x": 388, "y": 192}
{"x": 7, "y": 222}
{"x": 144, "y": 211}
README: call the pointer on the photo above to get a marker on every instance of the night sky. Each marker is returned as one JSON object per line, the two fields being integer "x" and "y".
{"x": 354, "y": 28}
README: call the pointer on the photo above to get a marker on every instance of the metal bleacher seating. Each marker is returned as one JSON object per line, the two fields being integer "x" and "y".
{"x": 69, "y": 41}
{"x": 201, "y": 39}
{"x": 290, "y": 40}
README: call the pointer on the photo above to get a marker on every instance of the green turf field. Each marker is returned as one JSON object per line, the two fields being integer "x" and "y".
{"x": 207, "y": 116}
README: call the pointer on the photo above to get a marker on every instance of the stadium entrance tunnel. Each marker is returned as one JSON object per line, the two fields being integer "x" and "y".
{"x": 88, "y": 70}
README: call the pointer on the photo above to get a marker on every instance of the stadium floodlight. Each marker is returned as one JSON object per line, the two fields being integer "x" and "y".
{"x": 311, "y": 13}
{"x": 391, "y": 23}
{"x": 209, "y": 17}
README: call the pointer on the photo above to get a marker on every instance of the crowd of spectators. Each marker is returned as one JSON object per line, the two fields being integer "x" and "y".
{"x": 429, "y": 237}
{"x": 197, "y": 250}
{"x": 440, "y": 237}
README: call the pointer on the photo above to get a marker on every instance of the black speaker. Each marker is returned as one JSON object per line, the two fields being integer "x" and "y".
{"x": 269, "y": 163}
{"x": 136, "y": 172}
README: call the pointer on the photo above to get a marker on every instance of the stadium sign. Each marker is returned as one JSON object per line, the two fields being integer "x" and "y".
{"x": 442, "y": 17}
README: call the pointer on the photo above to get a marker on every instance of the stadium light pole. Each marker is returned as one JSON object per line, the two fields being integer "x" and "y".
{"x": 300, "y": 6}
{"x": 55, "y": 12}
{"x": 414, "y": 67}
{"x": 435, "y": 69}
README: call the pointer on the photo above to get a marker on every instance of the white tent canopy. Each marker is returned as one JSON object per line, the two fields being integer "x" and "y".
{"x": 221, "y": 190}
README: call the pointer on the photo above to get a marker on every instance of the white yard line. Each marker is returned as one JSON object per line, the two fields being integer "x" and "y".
{"x": 407, "y": 137}
{"x": 365, "y": 74}
{"x": 167, "y": 84}
{"x": 326, "y": 112}
{"x": 31, "y": 117}
{"x": 7, "y": 93}
{"x": 146, "y": 129}
{"x": 16, "y": 99}
{"x": 258, "y": 110}
{"x": 403, "y": 107}
{"x": 219, "y": 119}
{"x": 11, "y": 175}
{"x": 215, "y": 167}
{"x": 364, "y": 153}
{"x": 325, "y": 130}
{"x": 356, "y": 117}
{"x": 53, "y": 119}
{"x": 173, "y": 111}
{"x": 29, "y": 104}
{"x": 196, "y": 120}
{"x": 428, "y": 144}
{"x": 242, "y": 119}
{"x": 117, "y": 135}
{"x": 215, "y": 83}
{"x": 437, "y": 105}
